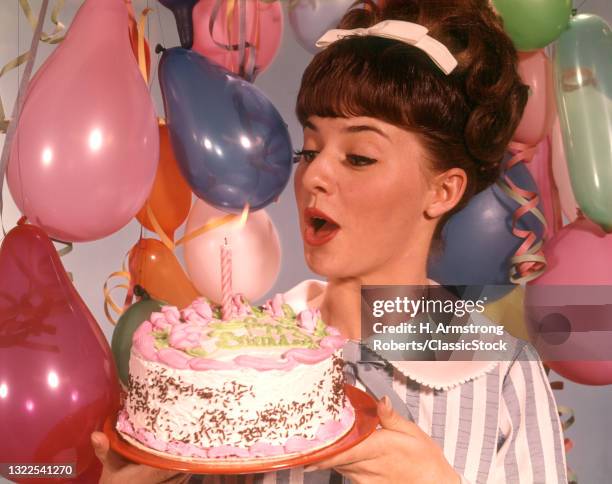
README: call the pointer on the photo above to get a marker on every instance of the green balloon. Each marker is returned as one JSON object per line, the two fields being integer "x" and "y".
{"x": 533, "y": 24}
{"x": 128, "y": 323}
{"x": 583, "y": 86}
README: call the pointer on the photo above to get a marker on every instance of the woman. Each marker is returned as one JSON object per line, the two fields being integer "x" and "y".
{"x": 396, "y": 139}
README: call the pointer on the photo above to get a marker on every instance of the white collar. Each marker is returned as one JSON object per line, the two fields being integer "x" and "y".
{"x": 439, "y": 375}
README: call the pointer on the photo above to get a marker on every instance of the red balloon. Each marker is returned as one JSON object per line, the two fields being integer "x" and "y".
{"x": 57, "y": 377}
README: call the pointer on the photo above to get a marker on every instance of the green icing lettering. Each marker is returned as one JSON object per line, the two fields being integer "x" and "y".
{"x": 288, "y": 311}
{"x": 160, "y": 339}
{"x": 320, "y": 330}
{"x": 236, "y": 334}
{"x": 198, "y": 352}
{"x": 229, "y": 340}
{"x": 257, "y": 311}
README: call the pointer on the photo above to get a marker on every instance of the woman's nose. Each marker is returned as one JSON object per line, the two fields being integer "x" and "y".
{"x": 318, "y": 174}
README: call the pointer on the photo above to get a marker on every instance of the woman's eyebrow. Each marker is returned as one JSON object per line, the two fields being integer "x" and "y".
{"x": 360, "y": 128}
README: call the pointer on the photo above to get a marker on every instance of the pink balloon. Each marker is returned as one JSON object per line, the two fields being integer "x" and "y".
{"x": 58, "y": 381}
{"x": 540, "y": 170}
{"x": 536, "y": 71}
{"x": 561, "y": 174}
{"x": 264, "y": 30}
{"x": 255, "y": 248}
{"x": 577, "y": 317}
{"x": 86, "y": 148}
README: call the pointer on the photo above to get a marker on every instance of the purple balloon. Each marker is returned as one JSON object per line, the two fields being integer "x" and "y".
{"x": 310, "y": 19}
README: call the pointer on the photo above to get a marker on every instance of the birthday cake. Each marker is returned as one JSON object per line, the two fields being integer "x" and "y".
{"x": 264, "y": 382}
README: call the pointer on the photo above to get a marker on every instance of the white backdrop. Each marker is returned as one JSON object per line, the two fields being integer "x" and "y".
{"x": 91, "y": 263}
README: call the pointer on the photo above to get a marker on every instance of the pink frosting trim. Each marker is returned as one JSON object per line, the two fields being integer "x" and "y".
{"x": 299, "y": 444}
{"x": 172, "y": 314}
{"x": 177, "y": 359}
{"x": 264, "y": 449}
{"x": 327, "y": 431}
{"x": 274, "y": 306}
{"x": 173, "y": 358}
{"x": 227, "y": 451}
{"x": 308, "y": 319}
{"x": 145, "y": 345}
{"x": 208, "y": 364}
{"x": 309, "y": 356}
{"x": 264, "y": 364}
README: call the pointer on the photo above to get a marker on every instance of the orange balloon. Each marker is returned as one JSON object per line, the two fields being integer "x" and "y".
{"x": 154, "y": 267}
{"x": 170, "y": 198}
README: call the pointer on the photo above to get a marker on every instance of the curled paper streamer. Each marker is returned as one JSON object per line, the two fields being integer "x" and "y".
{"x": 52, "y": 38}
{"x": 109, "y": 303}
{"x": 247, "y": 51}
{"x": 529, "y": 262}
{"x": 142, "y": 59}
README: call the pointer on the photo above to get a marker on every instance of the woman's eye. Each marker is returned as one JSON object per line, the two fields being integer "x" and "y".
{"x": 306, "y": 155}
{"x": 358, "y": 160}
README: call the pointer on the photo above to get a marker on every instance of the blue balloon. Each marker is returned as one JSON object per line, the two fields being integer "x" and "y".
{"x": 231, "y": 144}
{"x": 478, "y": 243}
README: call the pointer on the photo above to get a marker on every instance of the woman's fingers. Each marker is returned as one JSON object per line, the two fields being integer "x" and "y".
{"x": 118, "y": 470}
{"x": 180, "y": 479}
{"x": 152, "y": 475}
{"x": 101, "y": 446}
{"x": 109, "y": 459}
{"x": 366, "y": 450}
{"x": 391, "y": 420}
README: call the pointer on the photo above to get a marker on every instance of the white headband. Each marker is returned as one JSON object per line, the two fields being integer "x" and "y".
{"x": 413, "y": 34}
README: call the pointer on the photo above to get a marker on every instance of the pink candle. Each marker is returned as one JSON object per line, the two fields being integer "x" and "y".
{"x": 226, "y": 281}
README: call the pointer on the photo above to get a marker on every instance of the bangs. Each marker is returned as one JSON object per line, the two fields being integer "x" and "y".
{"x": 375, "y": 77}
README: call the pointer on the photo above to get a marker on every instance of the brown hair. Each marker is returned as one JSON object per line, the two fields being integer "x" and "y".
{"x": 465, "y": 119}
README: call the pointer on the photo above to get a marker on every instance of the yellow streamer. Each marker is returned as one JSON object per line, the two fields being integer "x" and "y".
{"x": 109, "y": 303}
{"x": 566, "y": 414}
{"x": 142, "y": 58}
{"x": 210, "y": 225}
{"x": 167, "y": 241}
{"x": 52, "y": 38}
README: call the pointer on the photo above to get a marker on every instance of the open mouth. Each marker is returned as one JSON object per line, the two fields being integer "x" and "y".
{"x": 320, "y": 228}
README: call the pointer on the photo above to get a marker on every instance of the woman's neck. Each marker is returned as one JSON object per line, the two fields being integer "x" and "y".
{"x": 341, "y": 307}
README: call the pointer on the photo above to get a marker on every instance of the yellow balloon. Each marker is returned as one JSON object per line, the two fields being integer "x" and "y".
{"x": 510, "y": 313}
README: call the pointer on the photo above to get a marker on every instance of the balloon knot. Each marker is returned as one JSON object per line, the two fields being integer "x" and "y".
{"x": 140, "y": 292}
{"x": 159, "y": 49}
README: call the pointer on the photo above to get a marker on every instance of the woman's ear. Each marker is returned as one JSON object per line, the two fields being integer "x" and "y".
{"x": 447, "y": 188}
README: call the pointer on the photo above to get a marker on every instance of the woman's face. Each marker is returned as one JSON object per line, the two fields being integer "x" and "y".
{"x": 362, "y": 188}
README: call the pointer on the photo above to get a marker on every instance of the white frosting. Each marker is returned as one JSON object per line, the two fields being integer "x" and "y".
{"x": 232, "y": 405}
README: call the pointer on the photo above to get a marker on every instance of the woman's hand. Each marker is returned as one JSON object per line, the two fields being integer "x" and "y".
{"x": 398, "y": 453}
{"x": 116, "y": 470}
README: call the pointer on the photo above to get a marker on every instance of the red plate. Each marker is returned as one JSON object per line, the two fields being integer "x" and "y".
{"x": 366, "y": 420}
